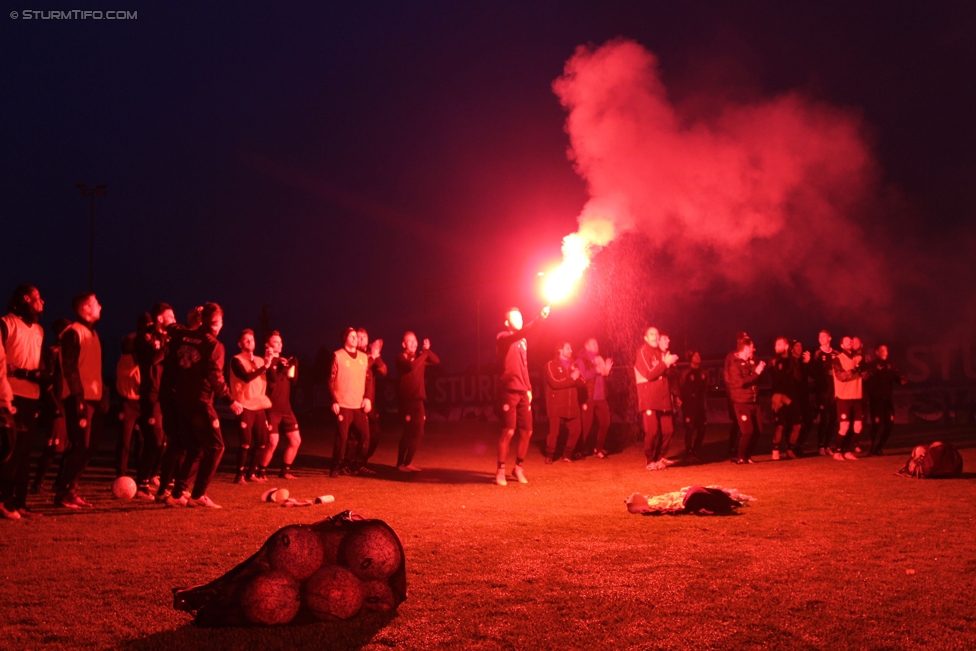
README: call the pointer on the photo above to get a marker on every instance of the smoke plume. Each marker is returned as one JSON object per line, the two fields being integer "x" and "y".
{"x": 753, "y": 195}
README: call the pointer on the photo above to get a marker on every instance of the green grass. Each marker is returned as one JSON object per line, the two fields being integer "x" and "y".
{"x": 833, "y": 555}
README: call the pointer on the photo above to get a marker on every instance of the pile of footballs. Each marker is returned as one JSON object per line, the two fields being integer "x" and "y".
{"x": 331, "y": 570}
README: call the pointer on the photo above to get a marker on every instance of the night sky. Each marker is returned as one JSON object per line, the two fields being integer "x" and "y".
{"x": 324, "y": 159}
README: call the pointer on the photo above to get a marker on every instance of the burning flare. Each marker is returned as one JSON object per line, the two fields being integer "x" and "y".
{"x": 595, "y": 232}
{"x": 576, "y": 258}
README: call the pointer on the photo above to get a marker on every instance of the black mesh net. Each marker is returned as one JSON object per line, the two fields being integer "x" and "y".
{"x": 218, "y": 603}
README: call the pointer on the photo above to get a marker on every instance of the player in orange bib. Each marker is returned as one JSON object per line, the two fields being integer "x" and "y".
{"x": 350, "y": 367}
{"x": 249, "y": 387}
{"x": 23, "y": 340}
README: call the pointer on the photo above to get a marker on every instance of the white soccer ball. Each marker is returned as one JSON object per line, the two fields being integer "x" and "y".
{"x": 124, "y": 488}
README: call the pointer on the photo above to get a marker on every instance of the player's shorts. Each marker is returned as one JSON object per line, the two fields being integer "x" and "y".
{"x": 850, "y": 410}
{"x": 514, "y": 410}
{"x": 282, "y": 423}
{"x": 785, "y": 415}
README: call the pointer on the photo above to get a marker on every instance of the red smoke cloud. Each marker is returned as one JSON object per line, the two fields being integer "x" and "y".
{"x": 767, "y": 192}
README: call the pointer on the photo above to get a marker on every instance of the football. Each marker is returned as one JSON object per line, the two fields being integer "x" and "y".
{"x": 373, "y": 552}
{"x": 333, "y": 592}
{"x": 271, "y": 598}
{"x": 124, "y": 488}
{"x": 297, "y": 550}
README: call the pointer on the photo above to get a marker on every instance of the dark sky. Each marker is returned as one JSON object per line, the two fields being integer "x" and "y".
{"x": 324, "y": 159}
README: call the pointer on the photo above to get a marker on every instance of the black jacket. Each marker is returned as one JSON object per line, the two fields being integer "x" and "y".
{"x": 822, "y": 369}
{"x": 783, "y": 371}
{"x": 279, "y": 384}
{"x": 742, "y": 380}
{"x": 377, "y": 369}
{"x": 197, "y": 362}
{"x": 412, "y": 377}
{"x": 512, "y": 358}
{"x": 694, "y": 386}
{"x": 150, "y": 351}
{"x": 882, "y": 376}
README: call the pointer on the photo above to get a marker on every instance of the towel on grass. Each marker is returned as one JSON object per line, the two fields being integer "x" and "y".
{"x": 698, "y": 500}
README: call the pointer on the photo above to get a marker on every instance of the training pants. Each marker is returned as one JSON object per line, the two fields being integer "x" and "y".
{"x": 694, "y": 423}
{"x": 882, "y": 422}
{"x": 573, "y": 429}
{"x": 204, "y": 447}
{"x": 15, "y": 473}
{"x": 749, "y": 418}
{"x": 413, "y": 414}
{"x": 128, "y": 418}
{"x": 598, "y": 410}
{"x": 83, "y": 439}
{"x": 658, "y": 431}
{"x": 350, "y": 418}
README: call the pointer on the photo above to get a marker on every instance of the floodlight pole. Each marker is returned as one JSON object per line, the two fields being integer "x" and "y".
{"x": 91, "y": 193}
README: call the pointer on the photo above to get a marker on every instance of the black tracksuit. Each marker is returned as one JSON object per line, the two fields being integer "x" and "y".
{"x": 694, "y": 386}
{"x": 377, "y": 371}
{"x": 51, "y": 419}
{"x": 280, "y": 384}
{"x": 784, "y": 371}
{"x": 743, "y": 392}
{"x": 822, "y": 367}
{"x": 734, "y": 433}
{"x": 150, "y": 352}
{"x": 412, "y": 396}
{"x": 882, "y": 376}
{"x": 198, "y": 377}
{"x": 802, "y": 375}
{"x": 174, "y": 450}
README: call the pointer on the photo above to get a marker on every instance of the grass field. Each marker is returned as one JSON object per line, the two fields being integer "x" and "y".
{"x": 832, "y": 555}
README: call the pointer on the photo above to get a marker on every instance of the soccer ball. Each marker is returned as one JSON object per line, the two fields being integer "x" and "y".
{"x": 124, "y": 488}
{"x": 331, "y": 543}
{"x": 271, "y": 598}
{"x": 373, "y": 552}
{"x": 378, "y": 596}
{"x": 297, "y": 550}
{"x": 334, "y": 591}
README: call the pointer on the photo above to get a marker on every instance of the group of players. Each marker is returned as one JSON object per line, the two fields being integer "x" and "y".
{"x": 846, "y": 383}
{"x": 168, "y": 376}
